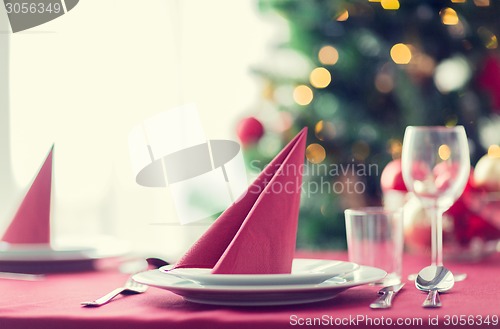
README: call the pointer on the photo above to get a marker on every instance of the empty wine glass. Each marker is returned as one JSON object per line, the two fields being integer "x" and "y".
{"x": 436, "y": 167}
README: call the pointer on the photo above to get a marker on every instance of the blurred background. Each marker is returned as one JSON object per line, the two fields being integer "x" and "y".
{"x": 355, "y": 72}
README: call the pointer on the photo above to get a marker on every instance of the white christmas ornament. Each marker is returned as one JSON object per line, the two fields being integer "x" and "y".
{"x": 487, "y": 172}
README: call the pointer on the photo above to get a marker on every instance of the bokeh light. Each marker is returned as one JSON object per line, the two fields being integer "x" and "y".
{"x": 421, "y": 64}
{"x": 494, "y": 151}
{"x": 315, "y": 153}
{"x": 320, "y": 77}
{"x": 444, "y": 152}
{"x": 268, "y": 90}
{"x": 395, "y": 148}
{"x": 452, "y": 74}
{"x": 324, "y": 130}
{"x": 360, "y": 150}
{"x": 302, "y": 95}
{"x": 448, "y": 16}
{"x": 401, "y": 53}
{"x": 326, "y": 105}
{"x": 343, "y": 16}
{"x": 328, "y": 55}
{"x": 384, "y": 82}
{"x": 390, "y": 4}
{"x": 489, "y": 39}
{"x": 482, "y": 3}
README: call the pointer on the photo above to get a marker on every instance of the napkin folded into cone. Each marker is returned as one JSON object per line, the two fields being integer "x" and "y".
{"x": 257, "y": 234}
{"x": 31, "y": 223}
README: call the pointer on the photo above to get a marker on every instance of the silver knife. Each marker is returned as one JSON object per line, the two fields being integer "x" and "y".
{"x": 386, "y": 296}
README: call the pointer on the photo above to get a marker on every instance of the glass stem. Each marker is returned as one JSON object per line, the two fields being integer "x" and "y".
{"x": 436, "y": 217}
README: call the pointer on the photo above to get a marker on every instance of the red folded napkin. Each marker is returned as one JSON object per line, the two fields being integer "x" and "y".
{"x": 31, "y": 224}
{"x": 257, "y": 234}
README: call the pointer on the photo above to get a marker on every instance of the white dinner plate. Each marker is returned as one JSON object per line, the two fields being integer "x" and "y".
{"x": 304, "y": 271}
{"x": 42, "y": 253}
{"x": 259, "y": 295}
{"x": 45, "y": 258}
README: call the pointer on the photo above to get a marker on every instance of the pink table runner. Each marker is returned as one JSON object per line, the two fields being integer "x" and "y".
{"x": 54, "y": 304}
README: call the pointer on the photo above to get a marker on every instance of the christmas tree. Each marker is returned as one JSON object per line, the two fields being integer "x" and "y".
{"x": 357, "y": 73}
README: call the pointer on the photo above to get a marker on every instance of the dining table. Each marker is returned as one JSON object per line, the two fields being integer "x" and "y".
{"x": 54, "y": 303}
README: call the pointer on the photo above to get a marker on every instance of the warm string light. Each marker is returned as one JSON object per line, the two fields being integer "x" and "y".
{"x": 395, "y": 148}
{"x": 401, "y": 53}
{"x": 328, "y": 55}
{"x": 494, "y": 151}
{"x": 303, "y": 95}
{"x": 448, "y": 16}
{"x": 320, "y": 77}
{"x": 324, "y": 130}
{"x": 343, "y": 16}
{"x": 482, "y": 3}
{"x": 318, "y": 128}
{"x": 489, "y": 39}
{"x": 268, "y": 90}
{"x": 390, "y": 4}
{"x": 444, "y": 152}
{"x": 315, "y": 153}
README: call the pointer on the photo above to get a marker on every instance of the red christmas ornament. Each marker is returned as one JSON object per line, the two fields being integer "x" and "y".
{"x": 392, "y": 177}
{"x": 469, "y": 221}
{"x": 249, "y": 131}
{"x": 489, "y": 79}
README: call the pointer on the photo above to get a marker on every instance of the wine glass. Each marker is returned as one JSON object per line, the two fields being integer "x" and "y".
{"x": 436, "y": 167}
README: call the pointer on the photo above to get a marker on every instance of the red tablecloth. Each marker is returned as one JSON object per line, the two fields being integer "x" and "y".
{"x": 55, "y": 303}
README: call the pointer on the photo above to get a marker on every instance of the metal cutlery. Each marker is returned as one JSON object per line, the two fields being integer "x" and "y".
{"x": 434, "y": 279}
{"x": 458, "y": 277}
{"x": 386, "y": 296}
{"x": 130, "y": 287}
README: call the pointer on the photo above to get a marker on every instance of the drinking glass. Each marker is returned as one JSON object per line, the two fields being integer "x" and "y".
{"x": 436, "y": 167}
{"x": 375, "y": 238}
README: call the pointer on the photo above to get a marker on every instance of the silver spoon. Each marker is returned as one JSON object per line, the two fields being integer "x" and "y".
{"x": 155, "y": 262}
{"x": 434, "y": 279}
{"x": 459, "y": 277}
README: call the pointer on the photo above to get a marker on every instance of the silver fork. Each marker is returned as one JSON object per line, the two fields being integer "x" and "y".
{"x": 130, "y": 287}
